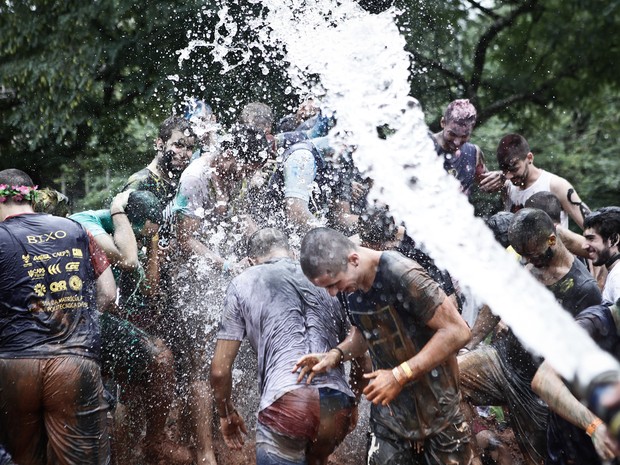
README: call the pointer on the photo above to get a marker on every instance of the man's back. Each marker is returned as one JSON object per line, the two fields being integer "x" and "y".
{"x": 47, "y": 288}
{"x": 284, "y": 317}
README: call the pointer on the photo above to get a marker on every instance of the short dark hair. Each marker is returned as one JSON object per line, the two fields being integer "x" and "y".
{"x": 174, "y": 123}
{"x": 547, "y": 202}
{"x": 499, "y": 224}
{"x": 266, "y": 240}
{"x": 529, "y": 227}
{"x": 142, "y": 206}
{"x": 324, "y": 251}
{"x": 605, "y": 221}
{"x": 15, "y": 177}
{"x": 511, "y": 146}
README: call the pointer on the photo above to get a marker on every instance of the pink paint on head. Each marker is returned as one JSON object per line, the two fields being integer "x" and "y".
{"x": 462, "y": 112}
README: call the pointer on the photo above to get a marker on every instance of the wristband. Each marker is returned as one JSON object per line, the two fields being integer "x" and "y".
{"x": 118, "y": 213}
{"x": 398, "y": 376}
{"x": 407, "y": 370}
{"x": 592, "y": 426}
{"x": 226, "y": 266}
{"x": 339, "y": 350}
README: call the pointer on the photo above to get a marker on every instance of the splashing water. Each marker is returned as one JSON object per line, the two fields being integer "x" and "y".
{"x": 363, "y": 72}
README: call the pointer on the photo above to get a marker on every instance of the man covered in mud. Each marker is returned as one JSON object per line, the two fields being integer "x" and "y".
{"x": 413, "y": 332}
{"x": 501, "y": 373}
{"x": 53, "y": 278}
{"x": 523, "y": 179}
{"x": 137, "y": 360}
{"x": 284, "y": 316}
{"x": 462, "y": 159}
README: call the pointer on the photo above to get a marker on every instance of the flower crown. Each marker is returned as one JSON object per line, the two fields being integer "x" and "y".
{"x": 18, "y": 193}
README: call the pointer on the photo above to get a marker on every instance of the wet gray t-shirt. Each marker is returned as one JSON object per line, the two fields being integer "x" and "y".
{"x": 284, "y": 316}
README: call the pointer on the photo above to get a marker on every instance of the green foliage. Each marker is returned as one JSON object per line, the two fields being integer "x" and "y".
{"x": 83, "y": 85}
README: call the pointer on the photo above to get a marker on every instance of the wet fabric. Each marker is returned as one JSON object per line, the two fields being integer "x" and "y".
{"x": 195, "y": 197}
{"x": 567, "y": 443}
{"x": 308, "y": 176}
{"x": 486, "y": 379}
{"x": 303, "y": 422}
{"x": 97, "y": 222}
{"x": 516, "y": 196}
{"x": 577, "y": 290}
{"x": 284, "y": 316}
{"x": 164, "y": 190}
{"x": 126, "y": 350}
{"x": 48, "y": 288}
{"x": 54, "y": 408}
{"x": 448, "y": 447}
{"x": 463, "y": 167}
{"x": 392, "y": 316}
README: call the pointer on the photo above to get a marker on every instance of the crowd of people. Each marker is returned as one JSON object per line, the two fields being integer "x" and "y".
{"x": 120, "y": 328}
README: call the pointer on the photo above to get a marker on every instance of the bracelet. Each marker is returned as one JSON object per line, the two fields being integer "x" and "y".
{"x": 339, "y": 350}
{"x": 226, "y": 266}
{"x": 118, "y": 213}
{"x": 407, "y": 370}
{"x": 398, "y": 376}
{"x": 592, "y": 426}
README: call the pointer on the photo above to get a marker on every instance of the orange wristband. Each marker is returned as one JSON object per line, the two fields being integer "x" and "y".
{"x": 592, "y": 426}
{"x": 407, "y": 370}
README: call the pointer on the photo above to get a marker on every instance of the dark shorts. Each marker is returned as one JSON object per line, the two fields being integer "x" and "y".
{"x": 126, "y": 351}
{"x": 451, "y": 446}
{"x": 305, "y": 422}
{"x": 54, "y": 408}
{"x": 486, "y": 381}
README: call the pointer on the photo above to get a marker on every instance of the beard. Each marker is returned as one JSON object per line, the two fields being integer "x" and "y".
{"x": 602, "y": 257}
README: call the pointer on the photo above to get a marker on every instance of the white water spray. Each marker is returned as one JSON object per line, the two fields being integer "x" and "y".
{"x": 363, "y": 71}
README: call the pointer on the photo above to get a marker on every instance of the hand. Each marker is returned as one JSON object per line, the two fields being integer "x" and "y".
{"x": 492, "y": 181}
{"x": 383, "y": 389}
{"x": 358, "y": 190}
{"x": 238, "y": 267}
{"x": 313, "y": 364}
{"x": 232, "y": 428}
{"x": 606, "y": 447}
{"x": 119, "y": 202}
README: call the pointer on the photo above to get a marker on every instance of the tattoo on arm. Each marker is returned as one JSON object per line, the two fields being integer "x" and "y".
{"x": 583, "y": 208}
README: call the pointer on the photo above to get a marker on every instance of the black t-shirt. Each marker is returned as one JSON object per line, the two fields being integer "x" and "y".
{"x": 392, "y": 316}
{"x": 47, "y": 288}
{"x": 576, "y": 291}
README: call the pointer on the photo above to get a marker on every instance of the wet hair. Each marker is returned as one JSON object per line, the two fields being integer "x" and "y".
{"x": 258, "y": 115}
{"x": 247, "y": 144}
{"x": 606, "y": 222}
{"x": 499, "y": 224}
{"x": 547, "y": 202}
{"x": 324, "y": 251}
{"x": 265, "y": 241}
{"x": 511, "y": 146}
{"x": 175, "y": 123}
{"x": 377, "y": 225}
{"x": 462, "y": 112}
{"x": 15, "y": 177}
{"x": 51, "y": 201}
{"x": 142, "y": 206}
{"x": 529, "y": 227}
